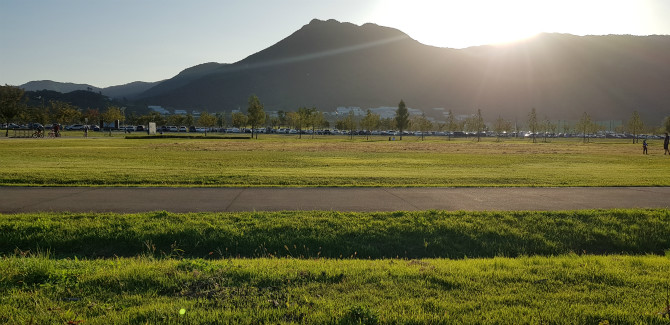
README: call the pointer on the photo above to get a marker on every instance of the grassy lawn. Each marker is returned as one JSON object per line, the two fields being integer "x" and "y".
{"x": 333, "y": 268}
{"x": 567, "y": 289}
{"x": 426, "y": 267}
{"x": 328, "y": 161}
{"x": 314, "y": 234}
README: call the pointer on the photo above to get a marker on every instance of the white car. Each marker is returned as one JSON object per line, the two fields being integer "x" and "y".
{"x": 74, "y": 127}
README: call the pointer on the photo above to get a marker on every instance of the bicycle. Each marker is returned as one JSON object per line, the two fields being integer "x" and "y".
{"x": 38, "y": 134}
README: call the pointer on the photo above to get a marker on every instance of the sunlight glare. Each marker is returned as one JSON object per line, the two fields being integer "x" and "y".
{"x": 459, "y": 24}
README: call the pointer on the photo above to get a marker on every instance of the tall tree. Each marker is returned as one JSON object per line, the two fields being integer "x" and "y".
{"x": 501, "y": 126}
{"x": 477, "y": 124}
{"x": 585, "y": 125}
{"x": 91, "y": 115}
{"x": 256, "y": 115}
{"x": 387, "y": 123}
{"x": 10, "y": 104}
{"x": 63, "y": 112}
{"x": 207, "y": 120}
{"x": 401, "y": 117}
{"x": 635, "y": 126}
{"x": 220, "y": 119}
{"x": 450, "y": 124}
{"x": 317, "y": 120}
{"x": 304, "y": 119}
{"x": 239, "y": 120}
{"x": 370, "y": 122}
{"x": 533, "y": 124}
{"x": 421, "y": 124}
{"x": 113, "y": 113}
{"x": 176, "y": 120}
{"x": 273, "y": 122}
{"x": 36, "y": 114}
{"x": 292, "y": 120}
{"x": 189, "y": 120}
{"x": 547, "y": 128}
{"x": 283, "y": 119}
{"x": 151, "y": 117}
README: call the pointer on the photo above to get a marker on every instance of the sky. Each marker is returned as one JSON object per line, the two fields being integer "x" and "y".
{"x": 112, "y": 42}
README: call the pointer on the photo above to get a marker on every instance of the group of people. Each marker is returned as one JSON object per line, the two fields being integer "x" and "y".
{"x": 666, "y": 141}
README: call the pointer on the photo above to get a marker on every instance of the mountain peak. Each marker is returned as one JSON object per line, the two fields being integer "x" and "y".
{"x": 317, "y": 21}
{"x": 326, "y": 38}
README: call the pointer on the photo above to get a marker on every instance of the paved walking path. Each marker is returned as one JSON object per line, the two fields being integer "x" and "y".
{"x": 127, "y": 200}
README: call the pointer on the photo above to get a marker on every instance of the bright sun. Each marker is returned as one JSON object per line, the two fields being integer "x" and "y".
{"x": 459, "y": 23}
{"x": 466, "y": 23}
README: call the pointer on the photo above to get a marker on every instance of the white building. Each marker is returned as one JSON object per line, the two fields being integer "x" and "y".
{"x": 344, "y": 111}
{"x": 389, "y": 112}
{"x": 159, "y": 109}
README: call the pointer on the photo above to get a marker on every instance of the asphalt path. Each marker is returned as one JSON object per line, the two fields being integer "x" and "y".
{"x": 130, "y": 200}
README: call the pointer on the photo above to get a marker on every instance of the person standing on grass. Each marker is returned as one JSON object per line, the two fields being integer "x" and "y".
{"x": 85, "y": 131}
{"x": 644, "y": 147}
{"x": 665, "y": 144}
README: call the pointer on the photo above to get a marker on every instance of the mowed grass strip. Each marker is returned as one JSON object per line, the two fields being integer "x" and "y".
{"x": 332, "y": 161}
{"x": 567, "y": 289}
{"x": 315, "y": 234}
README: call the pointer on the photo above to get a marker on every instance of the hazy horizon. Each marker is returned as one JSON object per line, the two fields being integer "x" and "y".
{"x": 108, "y": 43}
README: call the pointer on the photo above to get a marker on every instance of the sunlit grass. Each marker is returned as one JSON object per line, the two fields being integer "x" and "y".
{"x": 313, "y": 234}
{"x": 567, "y": 289}
{"x": 327, "y": 161}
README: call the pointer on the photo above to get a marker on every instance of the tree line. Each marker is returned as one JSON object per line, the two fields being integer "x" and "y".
{"x": 13, "y": 108}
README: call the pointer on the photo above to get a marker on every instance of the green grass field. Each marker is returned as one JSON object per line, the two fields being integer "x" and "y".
{"x": 314, "y": 234}
{"x": 426, "y": 267}
{"x": 328, "y": 161}
{"x": 334, "y": 268}
{"x": 568, "y": 289}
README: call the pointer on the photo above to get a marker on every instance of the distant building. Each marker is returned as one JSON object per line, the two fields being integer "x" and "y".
{"x": 343, "y": 111}
{"x": 384, "y": 112}
{"x": 179, "y": 112}
{"x": 389, "y": 112}
{"x": 158, "y": 109}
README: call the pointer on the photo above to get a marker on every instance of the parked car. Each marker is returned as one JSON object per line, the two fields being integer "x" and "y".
{"x": 75, "y": 127}
{"x": 182, "y": 129}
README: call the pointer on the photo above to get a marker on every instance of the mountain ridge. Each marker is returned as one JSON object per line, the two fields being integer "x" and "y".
{"x": 129, "y": 90}
{"x": 327, "y": 64}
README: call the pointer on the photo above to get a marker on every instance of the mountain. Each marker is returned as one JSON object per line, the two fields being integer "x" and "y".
{"x": 183, "y": 78}
{"x": 79, "y": 98}
{"x": 329, "y": 64}
{"x": 129, "y": 90}
{"x": 61, "y": 87}
{"x": 564, "y": 75}
{"x": 324, "y": 64}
